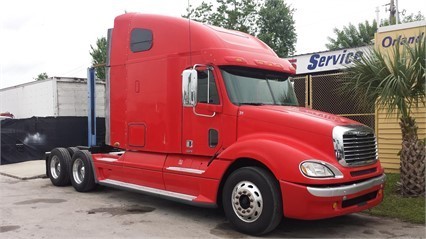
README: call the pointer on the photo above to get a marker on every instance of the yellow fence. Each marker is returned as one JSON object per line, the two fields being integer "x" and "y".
{"x": 389, "y": 136}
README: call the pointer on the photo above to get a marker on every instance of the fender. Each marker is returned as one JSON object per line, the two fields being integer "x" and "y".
{"x": 282, "y": 155}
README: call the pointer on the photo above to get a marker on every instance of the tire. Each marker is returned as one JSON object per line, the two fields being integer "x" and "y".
{"x": 252, "y": 200}
{"x": 72, "y": 150}
{"x": 81, "y": 171}
{"x": 58, "y": 166}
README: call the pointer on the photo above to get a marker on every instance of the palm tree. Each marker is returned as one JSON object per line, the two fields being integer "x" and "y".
{"x": 395, "y": 80}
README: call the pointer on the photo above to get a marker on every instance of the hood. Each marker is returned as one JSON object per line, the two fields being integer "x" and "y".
{"x": 292, "y": 135}
{"x": 299, "y": 118}
{"x": 310, "y": 129}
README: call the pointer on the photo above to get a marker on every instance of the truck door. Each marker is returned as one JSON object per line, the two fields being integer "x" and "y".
{"x": 201, "y": 136}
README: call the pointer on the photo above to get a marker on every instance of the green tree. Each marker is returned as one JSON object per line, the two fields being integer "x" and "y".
{"x": 395, "y": 80}
{"x": 351, "y": 36}
{"x": 270, "y": 20}
{"x": 237, "y": 15}
{"x": 413, "y": 17}
{"x": 409, "y": 18}
{"x": 99, "y": 55}
{"x": 276, "y": 27}
{"x": 42, "y": 76}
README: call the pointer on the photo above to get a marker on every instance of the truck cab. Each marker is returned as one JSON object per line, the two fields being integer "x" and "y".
{"x": 208, "y": 116}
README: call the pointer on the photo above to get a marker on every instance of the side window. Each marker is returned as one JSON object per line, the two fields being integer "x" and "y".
{"x": 212, "y": 97}
{"x": 140, "y": 40}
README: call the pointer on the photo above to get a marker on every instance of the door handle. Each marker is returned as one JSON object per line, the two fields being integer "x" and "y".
{"x": 203, "y": 115}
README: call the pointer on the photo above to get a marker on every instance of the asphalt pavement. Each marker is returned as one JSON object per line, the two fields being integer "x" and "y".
{"x": 31, "y": 207}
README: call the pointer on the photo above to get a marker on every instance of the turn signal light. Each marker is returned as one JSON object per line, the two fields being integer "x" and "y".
{"x": 236, "y": 59}
{"x": 267, "y": 63}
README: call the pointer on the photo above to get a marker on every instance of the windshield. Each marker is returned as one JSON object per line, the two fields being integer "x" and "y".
{"x": 258, "y": 87}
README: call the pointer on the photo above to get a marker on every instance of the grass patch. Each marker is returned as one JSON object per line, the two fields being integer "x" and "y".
{"x": 396, "y": 206}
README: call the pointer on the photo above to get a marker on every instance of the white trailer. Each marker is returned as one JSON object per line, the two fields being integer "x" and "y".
{"x": 56, "y": 96}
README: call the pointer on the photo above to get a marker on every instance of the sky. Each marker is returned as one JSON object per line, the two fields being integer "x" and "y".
{"x": 54, "y": 36}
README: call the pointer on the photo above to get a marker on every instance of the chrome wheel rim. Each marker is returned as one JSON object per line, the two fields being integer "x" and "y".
{"x": 247, "y": 201}
{"x": 55, "y": 167}
{"x": 78, "y": 171}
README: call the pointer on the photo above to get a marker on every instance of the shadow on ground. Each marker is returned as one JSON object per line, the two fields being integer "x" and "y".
{"x": 354, "y": 225}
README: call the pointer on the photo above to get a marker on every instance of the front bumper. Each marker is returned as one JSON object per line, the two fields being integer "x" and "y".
{"x": 309, "y": 202}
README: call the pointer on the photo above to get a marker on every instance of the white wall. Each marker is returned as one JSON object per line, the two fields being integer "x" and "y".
{"x": 27, "y": 100}
{"x": 52, "y": 97}
{"x": 73, "y": 97}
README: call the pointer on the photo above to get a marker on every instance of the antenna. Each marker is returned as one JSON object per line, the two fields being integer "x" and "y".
{"x": 189, "y": 27}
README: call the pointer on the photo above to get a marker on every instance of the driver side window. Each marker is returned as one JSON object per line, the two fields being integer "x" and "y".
{"x": 207, "y": 89}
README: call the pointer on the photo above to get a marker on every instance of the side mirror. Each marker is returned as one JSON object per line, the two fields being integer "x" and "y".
{"x": 189, "y": 87}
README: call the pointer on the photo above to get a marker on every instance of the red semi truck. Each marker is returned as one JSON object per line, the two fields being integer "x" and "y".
{"x": 209, "y": 117}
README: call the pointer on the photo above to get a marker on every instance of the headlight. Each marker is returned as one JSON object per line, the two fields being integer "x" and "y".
{"x": 319, "y": 169}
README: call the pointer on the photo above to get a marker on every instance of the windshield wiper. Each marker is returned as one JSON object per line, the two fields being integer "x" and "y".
{"x": 287, "y": 104}
{"x": 251, "y": 103}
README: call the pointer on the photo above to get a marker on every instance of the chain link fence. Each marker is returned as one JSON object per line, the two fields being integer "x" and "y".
{"x": 321, "y": 92}
{"x": 300, "y": 84}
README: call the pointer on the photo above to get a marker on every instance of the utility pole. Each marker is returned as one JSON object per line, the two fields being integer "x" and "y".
{"x": 392, "y": 11}
{"x": 397, "y": 11}
{"x": 377, "y": 16}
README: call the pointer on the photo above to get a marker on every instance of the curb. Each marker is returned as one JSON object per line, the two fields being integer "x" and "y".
{"x": 24, "y": 178}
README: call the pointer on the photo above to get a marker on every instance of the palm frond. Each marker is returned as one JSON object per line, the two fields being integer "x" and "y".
{"x": 394, "y": 79}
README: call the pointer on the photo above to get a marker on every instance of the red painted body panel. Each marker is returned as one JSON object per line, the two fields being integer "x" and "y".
{"x": 157, "y": 73}
{"x": 149, "y": 123}
{"x": 204, "y": 186}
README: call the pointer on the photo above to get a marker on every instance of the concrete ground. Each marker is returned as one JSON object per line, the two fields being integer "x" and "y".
{"x": 34, "y": 208}
{"x": 25, "y": 170}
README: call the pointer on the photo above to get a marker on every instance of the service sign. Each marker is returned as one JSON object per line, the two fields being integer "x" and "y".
{"x": 327, "y": 61}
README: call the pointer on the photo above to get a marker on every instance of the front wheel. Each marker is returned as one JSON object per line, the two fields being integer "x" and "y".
{"x": 252, "y": 200}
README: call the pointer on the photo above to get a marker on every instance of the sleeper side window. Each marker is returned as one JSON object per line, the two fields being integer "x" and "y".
{"x": 140, "y": 40}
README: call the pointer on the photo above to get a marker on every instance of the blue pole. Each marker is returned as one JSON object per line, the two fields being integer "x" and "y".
{"x": 91, "y": 110}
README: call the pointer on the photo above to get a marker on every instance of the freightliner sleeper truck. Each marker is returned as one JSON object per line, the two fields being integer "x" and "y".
{"x": 208, "y": 116}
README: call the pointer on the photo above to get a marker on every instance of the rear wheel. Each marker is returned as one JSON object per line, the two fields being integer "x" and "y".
{"x": 252, "y": 200}
{"x": 82, "y": 176}
{"x": 58, "y": 166}
{"x": 72, "y": 150}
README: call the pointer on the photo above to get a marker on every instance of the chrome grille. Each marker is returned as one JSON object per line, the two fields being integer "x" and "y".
{"x": 359, "y": 147}
{"x": 355, "y": 145}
